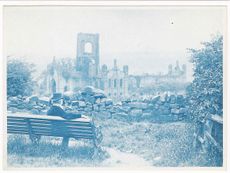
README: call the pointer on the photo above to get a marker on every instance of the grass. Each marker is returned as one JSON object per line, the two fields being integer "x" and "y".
{"x": 22, "y": 153}
{"x": 165, "y": 144}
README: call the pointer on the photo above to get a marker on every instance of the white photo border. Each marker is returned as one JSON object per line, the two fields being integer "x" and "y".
{"x": 3, "y": 141}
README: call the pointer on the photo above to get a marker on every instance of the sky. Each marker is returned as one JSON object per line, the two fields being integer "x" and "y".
{"x": 145, "y": 38}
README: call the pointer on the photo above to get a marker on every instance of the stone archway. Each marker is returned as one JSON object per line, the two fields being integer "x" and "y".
{"x": 88, "y": 52}
{"x": 88, "y": 47}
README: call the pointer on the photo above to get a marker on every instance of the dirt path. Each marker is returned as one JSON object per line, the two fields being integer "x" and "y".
{"x": 122, "y": 159}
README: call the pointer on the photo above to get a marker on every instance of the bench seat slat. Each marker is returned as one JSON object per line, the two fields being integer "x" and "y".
{"x": 64, "y": 121}
{"x": 44, "y": 132}
{"x": 60, "y": 124}
{"x": 83, "y": 137}
{"x": 69, "y": 127}
{"x": 59, "y": 128}
{"x": 15, "y": 118}
{"x": 81, "y": 128}
{"x": 40, "y": 125}
{"x": 61, "y": 135}
{"x": 12, "y": 119}
{"x": 49, "y": 117}
{"x": 19, "y": 128}
{"x": 44, "y": 120}
{"x": 17, "y": 131}
{"x": 48, "y": 123}
{"x": 54, "y": 122}
{"x": 16, "y": 122}
{"x": 17, "y": 125}
{"x": 55, "y": 135}
{"x": 50, "y": 130}
{"x": 62, "y": 132}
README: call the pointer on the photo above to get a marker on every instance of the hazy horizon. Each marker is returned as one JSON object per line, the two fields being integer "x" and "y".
{"x": 145, "y": 38}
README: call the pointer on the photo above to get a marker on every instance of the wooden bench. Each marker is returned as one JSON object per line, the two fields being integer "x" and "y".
{"x": 43, "y": 125}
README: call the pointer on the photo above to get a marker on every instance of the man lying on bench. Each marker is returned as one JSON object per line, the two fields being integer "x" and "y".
{"x": 56, "y": 104}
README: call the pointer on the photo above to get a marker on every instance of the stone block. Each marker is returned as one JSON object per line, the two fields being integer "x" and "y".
{"x": 108, "y": 102}
{"x": 165, "y": 111}
{"x": 175, "y": 111}
{"x": 163, "y": 98}
{"x": 138, "y": 105}
{"x": 136, "y": 112}
{"x": 147, "y": 110}
{"x": 155, "y": 99}
{"x": 147, "y": 115}
{"x": 44, "y": 101}
{"x": 126, "y": 109}
{"x": 180, "y": 99}
{"x": 21, "y": 106}
{"x": 82, "y": 104}
{"x": 165, "y": 118}
{"x": 183, "y": 110}
{"x": 12, "y": 109}
{"x": 150, "y": 106}
{"x": 121, "y": 115}
{"x": 172, "y": 99}
{"x": 174, "y": 106}
{"x": 13, "y": 99}
{"x": 88, "y": 109}
{"x": 166, "y": 105}
{"x": 12, "y": 104}
{"x": 43, "y": 112}
{"x": 33, "y": 98}
{"x": 29, "y": 106}
{"x": 35, "y": 111}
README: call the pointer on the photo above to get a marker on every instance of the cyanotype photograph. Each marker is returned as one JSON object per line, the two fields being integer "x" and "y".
{"x": 114, "y": 86}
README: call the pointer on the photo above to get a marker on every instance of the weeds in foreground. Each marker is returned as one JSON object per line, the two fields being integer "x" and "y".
{"x": 22, "y": 152}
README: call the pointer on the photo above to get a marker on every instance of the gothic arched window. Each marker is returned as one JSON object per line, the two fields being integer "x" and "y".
{"x": 88, "y": 47}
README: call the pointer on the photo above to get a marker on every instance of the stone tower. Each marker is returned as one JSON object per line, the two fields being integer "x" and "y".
{"x": 88, "y": 55}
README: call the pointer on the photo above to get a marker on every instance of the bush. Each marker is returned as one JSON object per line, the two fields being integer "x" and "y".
{"x": 19, "y": 78}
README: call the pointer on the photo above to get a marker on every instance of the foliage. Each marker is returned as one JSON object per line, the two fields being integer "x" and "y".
{"x": 19, "y": 78}
{"x": 206, "y": 91}
{"x": 49, "y": 153}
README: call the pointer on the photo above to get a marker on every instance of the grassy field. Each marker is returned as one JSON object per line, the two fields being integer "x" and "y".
{"x": 166, "y": 144}
{"x": 49, "y": 153}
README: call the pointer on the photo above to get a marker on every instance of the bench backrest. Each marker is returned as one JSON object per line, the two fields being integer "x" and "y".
{"x": 50, "y": 126}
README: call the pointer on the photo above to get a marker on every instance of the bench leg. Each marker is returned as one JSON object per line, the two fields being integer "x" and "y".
{"x": 94, "y": 143}
{"x": 35, "y": 138}
{"x": 65, "y": 142}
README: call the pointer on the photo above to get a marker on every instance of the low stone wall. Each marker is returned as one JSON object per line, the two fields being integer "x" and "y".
{"x": 32, "y": 105}
{"x": 158, "y": 109}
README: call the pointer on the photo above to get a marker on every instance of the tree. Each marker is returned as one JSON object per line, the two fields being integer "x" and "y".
{"x": 19, "y": 78}
{"x": 206, "y": 91}
{"x": 206, "y": 95}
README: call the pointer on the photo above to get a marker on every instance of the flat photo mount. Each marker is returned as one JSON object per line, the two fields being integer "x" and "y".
{"x": 115, "y": 86}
